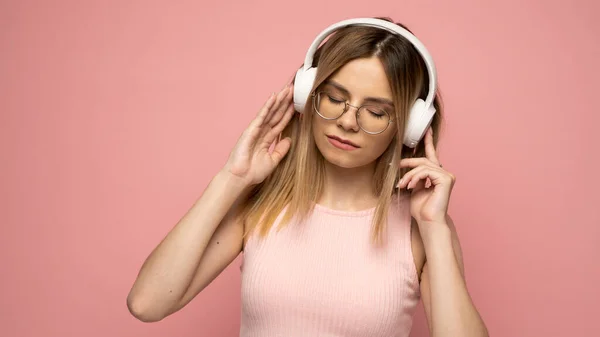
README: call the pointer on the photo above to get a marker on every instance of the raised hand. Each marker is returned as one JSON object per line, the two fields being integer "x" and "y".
{"x": 250, "y": 159}
{"x": 431, "y": 185}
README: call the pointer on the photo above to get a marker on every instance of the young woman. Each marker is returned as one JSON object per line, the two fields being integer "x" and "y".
{"x": 341, "y": 216}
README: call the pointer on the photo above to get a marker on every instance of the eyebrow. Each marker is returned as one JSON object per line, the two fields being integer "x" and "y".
{"x": 369, "y": 99}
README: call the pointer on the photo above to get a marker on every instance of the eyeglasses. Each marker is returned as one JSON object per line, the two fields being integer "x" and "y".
{"x": 371, "y": 119}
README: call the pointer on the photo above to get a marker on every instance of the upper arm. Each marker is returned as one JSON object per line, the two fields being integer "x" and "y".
{"x": 425, "y": 290}
{"x": 224, "y": 246}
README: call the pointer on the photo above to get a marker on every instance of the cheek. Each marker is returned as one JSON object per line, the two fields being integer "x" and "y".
{"x": 379, "y": 143}
{"x": 377, "y": 147}
{"x": 320, "y": 127}
{"x": 317, "y": 133}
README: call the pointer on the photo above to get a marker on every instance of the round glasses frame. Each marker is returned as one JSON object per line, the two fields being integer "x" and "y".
{"x": 346, "y": 108}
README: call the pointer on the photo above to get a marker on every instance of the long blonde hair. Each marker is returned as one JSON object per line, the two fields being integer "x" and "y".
{"x": 297, "y": 182}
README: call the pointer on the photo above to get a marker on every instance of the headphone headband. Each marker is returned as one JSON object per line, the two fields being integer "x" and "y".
{"x": 391, "y": 27}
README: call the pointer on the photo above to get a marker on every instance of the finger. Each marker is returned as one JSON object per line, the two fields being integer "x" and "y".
{"x": 276, "y": 117}
{"x": 281, "y": 111}
{"x": 279, "y": 101}
{"x": 414, "y": 162}
{"x": 280, "y": 150}
{"x": 407, "y": 177}
{"x": 279, "y": 108}
{"x": 273, "y": 109}
{"x": 417, "y": 182}
{"x": 263, "y": 112}
{"x": 277, "y": 129}
{"x": 436, "y": 177}
{"x": 430, "y": 152}
{"x": 419, "y": 174}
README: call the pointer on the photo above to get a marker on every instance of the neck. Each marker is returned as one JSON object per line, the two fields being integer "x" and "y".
{"x": 348, "y": 189}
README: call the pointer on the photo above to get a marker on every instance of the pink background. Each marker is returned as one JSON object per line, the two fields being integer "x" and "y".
{"x": 116, "y": 114}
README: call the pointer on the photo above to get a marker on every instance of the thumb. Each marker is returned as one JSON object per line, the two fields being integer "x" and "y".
{"x": 281, "y": 149}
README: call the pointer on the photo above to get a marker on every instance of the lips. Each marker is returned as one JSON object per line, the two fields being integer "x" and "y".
{"x": 342, "y": 140}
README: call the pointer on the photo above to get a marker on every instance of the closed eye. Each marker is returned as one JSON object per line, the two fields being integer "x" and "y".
{"x": 376, "y": 113}
{"x": 335, "y": 100}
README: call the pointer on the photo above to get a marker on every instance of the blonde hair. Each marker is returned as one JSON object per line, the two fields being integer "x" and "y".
{"x": 297, "y": 182}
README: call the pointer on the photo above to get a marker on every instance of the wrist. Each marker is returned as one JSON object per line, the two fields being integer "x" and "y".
{"x": 230, "y": 181}
{"x": 434, "y": 234}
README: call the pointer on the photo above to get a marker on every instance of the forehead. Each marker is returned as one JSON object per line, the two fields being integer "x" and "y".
{"x": 364, "y": 77}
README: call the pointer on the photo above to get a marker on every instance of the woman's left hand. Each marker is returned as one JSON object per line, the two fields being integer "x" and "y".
{"x": 429, "y": 199}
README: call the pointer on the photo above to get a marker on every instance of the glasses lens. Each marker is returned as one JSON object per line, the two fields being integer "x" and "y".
{"x": 329, "y": 106}
{"x": 373, "y": 119}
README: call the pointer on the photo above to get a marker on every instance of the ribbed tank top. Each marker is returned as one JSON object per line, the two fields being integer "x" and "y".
{"x": 324, "y": 277}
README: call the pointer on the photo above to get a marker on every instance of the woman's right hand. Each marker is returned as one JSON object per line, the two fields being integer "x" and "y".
{"x": 250, "y": 160}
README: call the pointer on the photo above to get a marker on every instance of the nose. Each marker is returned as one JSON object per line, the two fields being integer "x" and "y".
{"x": 348, "y": 119}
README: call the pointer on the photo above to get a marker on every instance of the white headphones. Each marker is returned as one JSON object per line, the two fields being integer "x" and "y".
{"x": 421, "y": 113}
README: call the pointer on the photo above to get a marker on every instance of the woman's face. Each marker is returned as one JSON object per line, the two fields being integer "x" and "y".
{"x": 359, "y": 82}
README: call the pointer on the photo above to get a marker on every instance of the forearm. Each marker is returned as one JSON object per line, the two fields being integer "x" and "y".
{"x": 452, "y": 310}
{"x": 168, "y": 271}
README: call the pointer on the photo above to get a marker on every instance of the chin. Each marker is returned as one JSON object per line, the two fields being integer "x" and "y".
{"x": 341, "y": 162}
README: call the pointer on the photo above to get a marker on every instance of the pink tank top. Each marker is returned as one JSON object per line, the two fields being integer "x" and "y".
{"x": 324, "y": 277}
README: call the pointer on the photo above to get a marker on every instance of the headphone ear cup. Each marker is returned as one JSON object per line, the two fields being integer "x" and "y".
{"x": 303, "y": 84}
{"x": 419, "y": 120}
